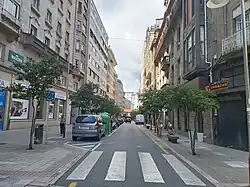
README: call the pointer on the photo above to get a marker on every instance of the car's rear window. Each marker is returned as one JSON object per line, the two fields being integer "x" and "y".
{"x": 86, "y": 119}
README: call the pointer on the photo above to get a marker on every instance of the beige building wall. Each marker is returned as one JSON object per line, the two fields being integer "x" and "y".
{"x": 26, "y": 34}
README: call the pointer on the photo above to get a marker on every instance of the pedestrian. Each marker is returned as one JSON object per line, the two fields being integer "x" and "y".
{"x": 62, "y": 126}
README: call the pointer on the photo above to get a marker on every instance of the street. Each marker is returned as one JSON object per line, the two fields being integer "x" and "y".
{"x": 129, "y": 158}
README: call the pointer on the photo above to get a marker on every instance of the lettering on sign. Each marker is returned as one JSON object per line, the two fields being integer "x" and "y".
{"x": 216, "y": 86}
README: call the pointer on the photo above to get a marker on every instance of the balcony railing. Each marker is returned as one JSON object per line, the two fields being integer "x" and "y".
{"x": 234, "y": 42}
{"x": 169, "y": 17}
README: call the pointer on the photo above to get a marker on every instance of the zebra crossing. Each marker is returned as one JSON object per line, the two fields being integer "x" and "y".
{"x": 150, "y": 172}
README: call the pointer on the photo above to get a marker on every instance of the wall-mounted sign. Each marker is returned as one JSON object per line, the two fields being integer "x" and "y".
{"x": 216, "y": 86}
{"x": 15, "y": 57}
{"x": 3, "y": 83}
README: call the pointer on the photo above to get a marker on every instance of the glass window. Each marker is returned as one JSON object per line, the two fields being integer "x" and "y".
{"x": 78, "y": 26}
{"x": 78, "y": 45}
{"x": 19, "y": 108}
{"x": 36, "y": 4}
{"x": 52, "y": 110}
{"x": 39, "y": 110}
{"x": 33, "y": 30}
{"x": 239, "y": 80}
{"x": 202, "y": 39}
{"x": 12, "y": 7}
{"x": 86, "y": 119}
{"x": 49, "y": 16}
{"x": 61, "y": 108}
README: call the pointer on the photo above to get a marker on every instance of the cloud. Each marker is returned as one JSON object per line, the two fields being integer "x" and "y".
{"x": 128, "y": 20}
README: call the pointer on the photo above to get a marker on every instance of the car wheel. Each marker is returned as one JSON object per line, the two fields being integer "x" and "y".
{"x": 98, "y": 138}
{"x": 74, "y": 138}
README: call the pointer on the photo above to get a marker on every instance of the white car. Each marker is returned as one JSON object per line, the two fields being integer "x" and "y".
{"x": 139, "y": 119}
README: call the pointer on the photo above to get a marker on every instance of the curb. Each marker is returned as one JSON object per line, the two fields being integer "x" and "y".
{"x": 197, "y": 169}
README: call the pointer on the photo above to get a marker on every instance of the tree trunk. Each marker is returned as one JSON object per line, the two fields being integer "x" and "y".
{"x": 33, "y": 124}
{"x": 154, "y": 121}
{"x": 194, "y": 134}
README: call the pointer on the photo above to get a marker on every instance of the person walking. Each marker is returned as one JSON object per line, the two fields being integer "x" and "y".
{"x": 62, "y": 126}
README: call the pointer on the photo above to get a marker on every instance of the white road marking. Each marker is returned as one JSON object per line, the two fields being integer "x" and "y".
{"x": 184, "y": 173}
{"x": 219, "y": 154}
{"x": 116, "y": 171}
{"x": 94, "y": 148}
{"x": 205, "y": 148}
{"x": 236, "y": 164}
{"x": 83, "y": 169}
{"x": 149, "y": 168}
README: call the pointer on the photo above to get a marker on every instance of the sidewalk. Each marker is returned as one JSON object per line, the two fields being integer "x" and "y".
{"x": 39, "y": 167}
{"x": 221, "y": 166}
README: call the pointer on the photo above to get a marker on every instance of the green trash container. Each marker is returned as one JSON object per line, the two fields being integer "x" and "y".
{"x": 38, "y": 139}
{"x": 106, "y": 120}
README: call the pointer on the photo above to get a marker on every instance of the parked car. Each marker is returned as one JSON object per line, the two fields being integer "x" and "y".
{"x": 88, "y": 125}
{"x": 128, "y": 120}
{"x": 120, "y": 121}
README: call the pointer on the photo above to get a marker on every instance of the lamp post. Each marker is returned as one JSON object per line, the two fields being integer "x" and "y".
{"x": 221, "y": 3}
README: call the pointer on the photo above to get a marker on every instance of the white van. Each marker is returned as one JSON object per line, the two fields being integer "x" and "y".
{"x": 139, "y": 119}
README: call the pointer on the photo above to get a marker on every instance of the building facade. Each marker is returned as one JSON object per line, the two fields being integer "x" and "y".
{"x": 119, "y": 98}
{"x": 225, "y": 52}
{"x": 98, "y": 51}
{"x": 179, "y": 51}
{"x": 111, "y": 75}
{"x": 34, "y": 29}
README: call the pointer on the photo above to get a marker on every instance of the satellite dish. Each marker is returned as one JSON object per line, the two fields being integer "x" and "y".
{"x": 217, "y": 3}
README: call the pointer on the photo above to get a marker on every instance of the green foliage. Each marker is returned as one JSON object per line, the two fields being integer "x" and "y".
{"x": 177, "y": 97}
{"x": 40, "y": 76}
{"x": 88, "y": 101}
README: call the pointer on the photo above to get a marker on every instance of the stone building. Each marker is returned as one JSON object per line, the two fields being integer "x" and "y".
{"x": 33, "y": 29}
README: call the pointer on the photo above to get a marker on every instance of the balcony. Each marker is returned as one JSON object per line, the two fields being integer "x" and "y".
{"x": 9, "y": 25}
{"x": 233, "y": 44}
{"x": 165, "y": 64}
{"x": 169, "y": 16}
{"x": 30, "y": 41}
{"x": 75, "y": 71}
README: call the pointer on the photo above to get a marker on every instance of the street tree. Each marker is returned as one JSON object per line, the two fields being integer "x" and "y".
{"x": 40, "y": 76}
{"x": 86, "y": 98}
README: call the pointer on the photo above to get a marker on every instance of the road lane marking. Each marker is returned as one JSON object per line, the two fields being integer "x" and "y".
{"x": 73, "y": 184}
{"x": 149, "y": 169}
{"x": 203, "y": 173}
{"x": 236, "y": 164}
{"x": 184, "y": 173}
{"x": 116, "y": 171}
{"x": 83, "y": 169}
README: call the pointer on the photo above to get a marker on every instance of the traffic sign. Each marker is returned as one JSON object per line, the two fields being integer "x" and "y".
{"x": 51, "y": 96}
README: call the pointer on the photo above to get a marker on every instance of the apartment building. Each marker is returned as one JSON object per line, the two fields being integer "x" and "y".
{"x": 111, "y": 75}
{"x": 179, "y": 50}
{"x": 33, "y": 29}
{"x": 98, "y": 51}
{"x": 225, "y": 52}
{"x": 119, "y": 98}
{"x": 148, "y": 67}
{"x": 81, "y": 40}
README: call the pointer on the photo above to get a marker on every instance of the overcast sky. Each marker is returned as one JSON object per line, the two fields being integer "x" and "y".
{"x": 128, "y": 19}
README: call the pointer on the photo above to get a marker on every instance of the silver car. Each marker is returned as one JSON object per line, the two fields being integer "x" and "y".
{"x": 88, "y": 125}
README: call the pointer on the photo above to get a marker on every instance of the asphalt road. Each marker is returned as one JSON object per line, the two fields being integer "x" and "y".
{"x": 129, "y": 158}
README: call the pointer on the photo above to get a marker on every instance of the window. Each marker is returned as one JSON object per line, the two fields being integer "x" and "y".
{"x": 58, "y": 50}
{"x": 79, "y": 9}
{"x": 59, "y": 28}
{"x": 33, "y": 30}
{"x": 36, "y": 4}
{"x": 68, "y": 15}
{"x": 47, "y": 41}
{"x": 62, "y": 107}
{"x": 78, "y": 26}
{"x": 2, "y": 51}
{"x": 51, "y": 110}
{"x": 90, "y": 72}
{"x": 202, "y": 40}
{"x": 86, "y": 119}
{"x": 39, "y": 110}
{"x": 178, "y": 34}
{"x": 61, "y": 4}
{"x": 84, "y": 28}
{"x": 12, "y": 7}
{"x": 75, "y": 86}
{"x": 78, "y": 45}
{"x": 49, "y": 16}
{"x": 67, "y": 36}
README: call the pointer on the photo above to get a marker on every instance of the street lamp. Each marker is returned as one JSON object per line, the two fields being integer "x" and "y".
{"x": 221, "y": 3}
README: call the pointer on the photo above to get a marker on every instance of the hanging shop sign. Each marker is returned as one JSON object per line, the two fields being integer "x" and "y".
{"x": 216, "y": 86}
